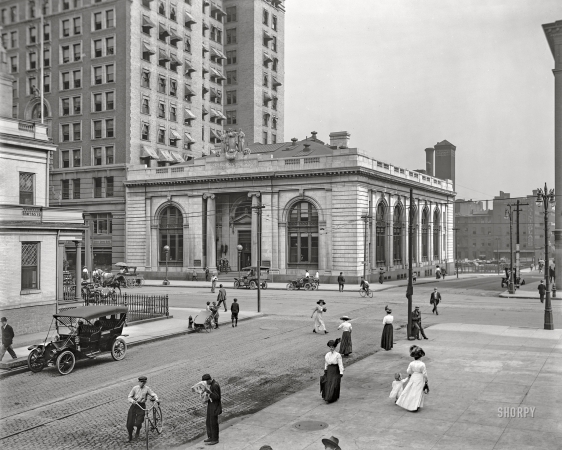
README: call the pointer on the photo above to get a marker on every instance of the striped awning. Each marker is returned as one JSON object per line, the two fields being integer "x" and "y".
{"x": 215, "y": 134}
{"x": 188, "y": 91}
{"x": 174, "y": 37}
{"x": 220, "y": 114}
{"x": 267, "y": 96}
{"x": 146, "y": 22}
{"x": 188, "y": 114}
{"x": 189, "y": 68}
{"x": 162, "y": 56}
{"x": 214, "y": 112}
{"x": 147, "y": 152}
{"x": 189, "y": 19}
{"x": 205, "y": 111}
{"x": 188, "y": 137}
{"x": 267, "y": 58}
{"x": 276, "y": 82}
{"x": 147, "y": 49}
{"x": 175, "y": 134}
{"x": 174, "y": 61}
{"x": 162, "y": 31}
{"x": 267, "y": 36}
{"x": 177, "y": 156}
{"x": 218, "y": 53}
{"x": 164, "y": 155}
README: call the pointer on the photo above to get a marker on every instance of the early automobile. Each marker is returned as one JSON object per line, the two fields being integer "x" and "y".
{"x": 130, "y": 275}
{"x": 83, "y": 332}
{"x": 308, "y": 284}
{"x": 250, "y": 278}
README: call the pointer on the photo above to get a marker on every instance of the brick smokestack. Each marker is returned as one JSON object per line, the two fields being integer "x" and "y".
{"x": 339, "y": 139}
{"x": 430, "y": 161}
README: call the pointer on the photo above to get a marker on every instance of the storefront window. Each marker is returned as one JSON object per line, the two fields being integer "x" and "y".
{"x": 170, "y": 229}
{"x": 303, "y": 235}
{"x": 425, "y": 235}
{"x": 102, "y": 223}
{"x": 436, "y": 231}
{"x": 397, "y": 235}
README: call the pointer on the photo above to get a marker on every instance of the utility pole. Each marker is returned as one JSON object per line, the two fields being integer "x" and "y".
{"x": 410, "y": 288}
{"x": 259, "y": 209}
{"x": 517, "y": 255}
{"x": 366, "y": 218}
{"x": 509, "y": 214}
{"x": 456, "y": 252}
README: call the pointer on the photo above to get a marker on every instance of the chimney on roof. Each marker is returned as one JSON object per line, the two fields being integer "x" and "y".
{"x": 339, "y": 139}
{"x": 430, "y": 161}
{"x": 314, "y": 133}
{"x": 294, "y": 142}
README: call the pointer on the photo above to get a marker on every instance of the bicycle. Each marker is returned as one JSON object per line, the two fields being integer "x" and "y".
{"x": 156, "y": 423}
{"x": 365, "y": 293}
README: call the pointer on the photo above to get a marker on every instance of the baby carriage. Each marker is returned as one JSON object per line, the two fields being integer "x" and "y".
{"x": 204, "y": 321}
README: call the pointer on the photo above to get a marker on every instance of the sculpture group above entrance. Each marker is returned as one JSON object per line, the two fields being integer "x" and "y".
{"x": 232, "y": 143}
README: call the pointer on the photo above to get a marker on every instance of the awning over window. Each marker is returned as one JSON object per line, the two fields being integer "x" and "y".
{"x": 162, "y": 31}
{"x": 267, "y": 97}
{"x": 188, "y": 137}
{"x": 267, "y": 58}
{"x": 205, "y": 25}
{"x": 174, "y": 37}
{"x": 214, "y": 112}
{"x": 214, "y": 92}
{"x": 204, "y": 70}
{"x": 188, "y": 114}
{"x": 276, "y": 82}
{"x": 216, "y": 8}
{"x": 267, "y": 36}
{"x": 215, "y": 134}
{"x": 188, "y": 91}
{"x": 177, "y": 156}
{"x": 205, "y": 89}
{"x": 174, "y": 61}
{"x": 189, "y": 19}
{"x": 147, "y": 49}
{"x": 218, "y": 53}
{"x": 175, "y": 134}
{"x": 147, "y": 152}
{"x": 220, "y": 114}
{"x": 189, "y": 68}
{"x": 146, "y": 22}
{"x": 205, "y": 111}
{"x": 162, "y": 55}
{"x": 217, "y": 74}
{"x": 164, "y": 155}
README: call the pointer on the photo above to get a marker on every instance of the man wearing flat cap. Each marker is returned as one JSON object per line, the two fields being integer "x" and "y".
{"x": 416, "y": 323}
{"x": 137, "y": 398}
{"x": 214, "y": 409}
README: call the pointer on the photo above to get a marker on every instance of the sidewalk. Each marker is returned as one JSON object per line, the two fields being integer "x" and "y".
{"x": 137, "y": 334}
{"x": 375, "y": 286}
{"x": 482, "y": 380}
{"x": 530, "y": 291}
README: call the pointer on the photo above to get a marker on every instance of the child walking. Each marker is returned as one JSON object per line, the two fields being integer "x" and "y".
{"x": 397, "y": 386}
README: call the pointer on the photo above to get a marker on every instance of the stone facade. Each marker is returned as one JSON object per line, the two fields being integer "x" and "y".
{"x": 314, "y": 196}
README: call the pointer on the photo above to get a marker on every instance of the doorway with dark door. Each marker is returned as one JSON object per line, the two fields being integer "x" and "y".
{"x": 245, "y": 240}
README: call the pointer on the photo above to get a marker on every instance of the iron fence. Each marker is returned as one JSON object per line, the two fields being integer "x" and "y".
{"x": 140, "y": 306}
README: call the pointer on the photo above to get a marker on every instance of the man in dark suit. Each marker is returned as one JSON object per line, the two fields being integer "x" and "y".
{"x": 542, "y": 290}
{"x": 416, "y": 324}
{"x": 435, "y": 299}
{"x": 7, "y": 339}
{"x": 341, "y": 281}
{"x": 214, "y": 409}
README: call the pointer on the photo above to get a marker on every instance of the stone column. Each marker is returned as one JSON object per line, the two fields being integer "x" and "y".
{"x": 405, "y": 237}
{"x": 211, "y": 232}
{"x": 553, "y": 32}
{"x": 390, "y": 233}
{"x": 255, "y": 196}
{"x": 275, "y": 230}
{"x": 78, "y": 293}
{"x": 419, "y": 232}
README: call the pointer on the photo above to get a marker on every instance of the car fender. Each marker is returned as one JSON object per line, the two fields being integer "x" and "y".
{"x": 40, "y": 346}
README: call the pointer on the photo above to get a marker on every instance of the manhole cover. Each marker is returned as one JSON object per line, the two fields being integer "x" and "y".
{"x": 310, "y": 425}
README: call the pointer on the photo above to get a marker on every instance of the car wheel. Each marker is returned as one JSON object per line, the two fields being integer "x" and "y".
{"x": 118, "y": 349}
{"x": 253, "y": 285}
{"x": 290, "y": 286}
{"x": 65, "y": 362}
{"x": 523, "y": 283}
{"x": 264, "y": 285}
{"x": 236, "y": 284}
{"x": 307, "y": 287}
{"x": 35, "y": 361}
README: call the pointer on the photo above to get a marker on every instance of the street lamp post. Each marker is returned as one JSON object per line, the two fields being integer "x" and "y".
{"x": 166, "y": 282}
{"x": 546, "y": 198}
{"x": 509, "y": 214}
{"x": 239, "y": 248}
{"x": 456, "y": 252}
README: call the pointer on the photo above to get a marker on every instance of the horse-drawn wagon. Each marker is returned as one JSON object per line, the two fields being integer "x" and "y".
{"x": 130, "y": 275}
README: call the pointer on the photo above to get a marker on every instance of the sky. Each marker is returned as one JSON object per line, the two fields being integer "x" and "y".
{"x": 402, "y": 75}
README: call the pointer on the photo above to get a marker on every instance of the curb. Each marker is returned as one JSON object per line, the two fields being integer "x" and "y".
{"x": 5, "y": 373}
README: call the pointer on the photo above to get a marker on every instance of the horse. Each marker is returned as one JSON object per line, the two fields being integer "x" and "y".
{"x": 108, "y": 279}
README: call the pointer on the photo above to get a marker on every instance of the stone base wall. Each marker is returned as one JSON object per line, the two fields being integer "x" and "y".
{"x": 30, "y": 319}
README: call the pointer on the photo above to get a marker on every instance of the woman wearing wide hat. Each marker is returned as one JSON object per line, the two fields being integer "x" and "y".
{"x": 388, "y": 330}
{"x": 333, "y": 372}
{"x": 318, "y": 321}
{"x": 332, "y": 443}
{"x": 414, "y": 392}
{"x": 345, "y": 345}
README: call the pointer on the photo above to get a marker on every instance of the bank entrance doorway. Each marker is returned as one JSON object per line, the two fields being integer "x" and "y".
{"x": 245, "y": 240}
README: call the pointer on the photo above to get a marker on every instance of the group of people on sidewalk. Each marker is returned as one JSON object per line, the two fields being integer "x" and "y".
{"x": 215, "y": 306}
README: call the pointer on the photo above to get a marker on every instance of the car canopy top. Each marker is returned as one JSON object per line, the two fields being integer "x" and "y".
{"x": 92, "y": 312}
{"x": 262, "y": 268}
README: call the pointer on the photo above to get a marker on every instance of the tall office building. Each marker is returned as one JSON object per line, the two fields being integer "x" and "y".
{"x": 150, "y": 82}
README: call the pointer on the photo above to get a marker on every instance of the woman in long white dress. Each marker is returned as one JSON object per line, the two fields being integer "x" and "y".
{"x": 413, "y": 394}
{"x": 318, "y": 321}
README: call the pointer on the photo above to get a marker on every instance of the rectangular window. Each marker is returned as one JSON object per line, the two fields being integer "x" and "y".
{"x": 65, "y": 131}
{"x": 76, "y": 132}
{"x": 97, "y": 21}
{"x": 231, "y": 117}
{"x": 230, "y": 97}
{"x": 274, "y": 22}
{"x": 13, "y": 39}
{"x": 265, "y": 17}
{"x": 97, "y": 187}
{"x": 173, "y": 113}
{"x": 274, "y": 44}
{"x": 27, "y": 191}
{"x": 109, "y": 155}
{"x": 161, "y": 110}
{"x": 173, "y": 88}
{"x": 98, "y": 75}
{"x": 32, "y": 60}
{"x": 109, "y": 186}
{"x": 145, "y": 106}
{"x": 231, "y": 77}
{"x": 264, "y": 137}
{"x": 97, "y": 129}
{"x": 145, "y": 132}
{"x": 77, "y": 52}
{"x": 110, "y": 46}
{"x": 231, "y": 14}
{"x": 46, "y": 57}
{"x": 77, "y": 105}
{"x": 47, "y": 32}
{"x": 32, "y": 35}
{"x": 98, "y": 48}
{"x": 65, "y": 106}
{"x": 273, "y": 138}
{"x": 47, "y": 83}
{"x": 65, "y": 53}
{"x": 65, "y": 28}
{"x": 13, "y": 64}
{"x": 102, "y": 223}
{"x": 231, "y": 57}
{"x": 109, "y": 18}
{"x": 77, "y": 76}
{"x": 98, "y": 103}
{"x": 76, "y": 188}
{"x": 161, "y": 136}
{"x": 77, "y": 24}
{"x": 65, "y": 189}
{"x": 231, "y": 36}
{"x": 76, "y": 158}
{"x": 109, "y": 73}
{"x": 110, "y": 101}
{"x": 29, "y": 265}
{"x": 97, "y": 156}
{"x": 161, "y": 84}
{"x": 65, "y": 155}
{"x": 145, "y": 78}
{"x": 109, "y": 131}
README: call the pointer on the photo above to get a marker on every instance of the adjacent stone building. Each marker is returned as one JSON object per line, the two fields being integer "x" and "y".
{"x": 315, "y": 198}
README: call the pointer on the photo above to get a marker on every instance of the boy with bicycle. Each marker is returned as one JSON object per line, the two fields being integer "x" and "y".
{"x": 137, "y": 398}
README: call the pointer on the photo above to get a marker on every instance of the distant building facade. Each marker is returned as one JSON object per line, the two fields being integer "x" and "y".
{"x": 315, "y": 196}
{"x": 152, "y": 82}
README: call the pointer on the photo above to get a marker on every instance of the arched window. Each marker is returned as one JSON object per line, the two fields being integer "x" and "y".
{"x": 303, "y": 235}
{"x": 436, "y": 233}
{"x": 414, "y": 222}
{"x": 36, "y": 112}
{"x": 381, "y": 234}
{"x": 425, "y": 234}
{"x": 170, "y": 230}
{"x": 397, "y": 234}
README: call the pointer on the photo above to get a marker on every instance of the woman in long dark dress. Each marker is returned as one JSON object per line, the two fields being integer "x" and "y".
{"x": 333, "y": 371}
{"x": 345, "y": 344}
{"x": 388, "y": 331}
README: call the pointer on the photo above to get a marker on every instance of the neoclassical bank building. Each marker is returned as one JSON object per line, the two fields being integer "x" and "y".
{"x": 326, "y": 207}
